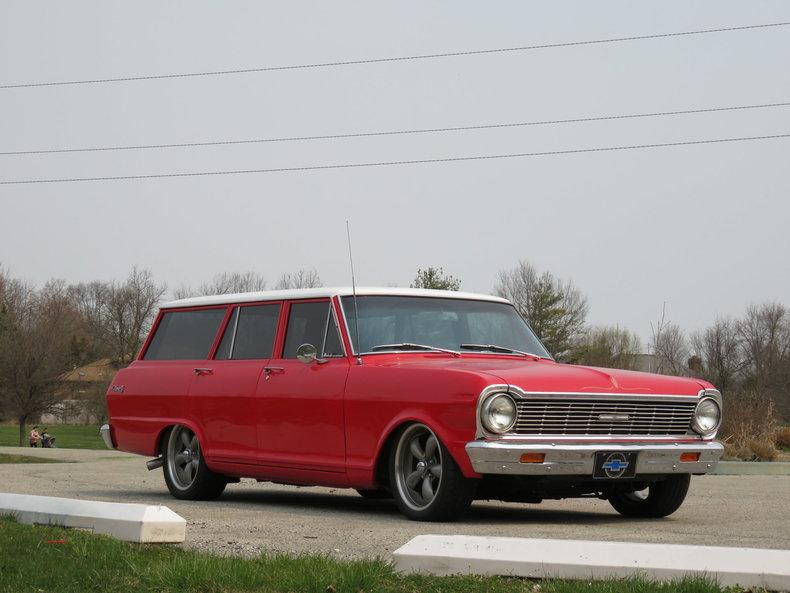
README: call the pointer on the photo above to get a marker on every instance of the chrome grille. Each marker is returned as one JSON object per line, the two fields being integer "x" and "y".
{"x": 561, "y": 416}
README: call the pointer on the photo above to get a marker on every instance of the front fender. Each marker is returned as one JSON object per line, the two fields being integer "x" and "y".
{"x": 448, "y": 437}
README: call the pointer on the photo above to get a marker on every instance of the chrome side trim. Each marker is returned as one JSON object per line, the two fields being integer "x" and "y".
{"x": 106, "y": 436}
{"x": 332, "y": 318}
{"x": 578, "y": 459}
{"x": 236, "y": 313}
{"x": 612, "y": 396}
{"x": 346, "y": 327}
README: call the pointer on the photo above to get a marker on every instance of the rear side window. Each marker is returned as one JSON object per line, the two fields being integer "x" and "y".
{"x": 185, "y": 335}
{"x": 312, "y": 323}
{"x": 250, "y": 333}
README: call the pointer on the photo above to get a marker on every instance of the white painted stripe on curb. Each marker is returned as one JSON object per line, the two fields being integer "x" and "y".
{"x": 575, "y": 559}
{"x": 130, "y": 522}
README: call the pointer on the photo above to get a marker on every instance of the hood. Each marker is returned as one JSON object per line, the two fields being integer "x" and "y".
{"x": 555, "y": 377}
{"x": 549, "y": 376}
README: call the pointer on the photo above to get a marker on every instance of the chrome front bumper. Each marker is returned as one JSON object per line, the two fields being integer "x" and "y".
{"x": 106, "y": 436}
{"x": 576, "y": 459}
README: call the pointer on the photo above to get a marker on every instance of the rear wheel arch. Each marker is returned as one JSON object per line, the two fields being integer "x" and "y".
{"x": 186, "y": 473}
{"x": 161, "y": 438}
{"x": 164, "y": 432}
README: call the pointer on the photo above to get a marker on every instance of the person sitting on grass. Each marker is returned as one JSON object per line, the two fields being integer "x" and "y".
{"x": 35, "y": 437}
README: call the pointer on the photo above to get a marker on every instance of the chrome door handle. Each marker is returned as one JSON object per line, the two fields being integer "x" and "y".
{"x": 204, "y": 371}
{"x": 269, "y": 371}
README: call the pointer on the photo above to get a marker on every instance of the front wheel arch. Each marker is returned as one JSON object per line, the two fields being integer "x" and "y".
{"x": 381, "y": 464}
{"x": 449, "y": 492}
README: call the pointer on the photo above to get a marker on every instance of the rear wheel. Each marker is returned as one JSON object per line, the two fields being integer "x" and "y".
{"x": 427, "y": 485}
{"x": 186, "y": 474}
{"x": 657, "y": 499}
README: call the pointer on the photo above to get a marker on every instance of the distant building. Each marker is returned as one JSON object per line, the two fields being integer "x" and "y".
{"x": 82, "y": 396}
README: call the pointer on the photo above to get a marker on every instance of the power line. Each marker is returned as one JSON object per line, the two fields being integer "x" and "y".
{"x": 393, "y": 163}
{"x": 392, "y": 132}
{"x": 390, "y": 59}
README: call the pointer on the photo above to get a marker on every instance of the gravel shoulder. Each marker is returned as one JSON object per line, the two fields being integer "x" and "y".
{"x": 746, "y": 511}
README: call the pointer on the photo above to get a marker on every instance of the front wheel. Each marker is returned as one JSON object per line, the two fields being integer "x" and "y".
{"x": 186, "y": 474}
{"x": 658, "y": 499}
{"x": 427, "y": 483}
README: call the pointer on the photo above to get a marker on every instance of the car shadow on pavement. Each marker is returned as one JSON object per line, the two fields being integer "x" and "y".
{"x": 487, "y": 513}
{"x": 344, "y": 501}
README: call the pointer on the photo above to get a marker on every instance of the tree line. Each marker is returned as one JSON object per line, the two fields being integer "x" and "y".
{"x": 747, "y": 358}
{"x": 48, "y": 331}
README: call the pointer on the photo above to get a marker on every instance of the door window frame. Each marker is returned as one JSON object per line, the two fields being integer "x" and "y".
{"x": 229, "y": 316}
{"x": 285, "y": 315}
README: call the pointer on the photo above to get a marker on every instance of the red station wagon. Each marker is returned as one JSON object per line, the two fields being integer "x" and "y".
{"x": 432, "y": 398}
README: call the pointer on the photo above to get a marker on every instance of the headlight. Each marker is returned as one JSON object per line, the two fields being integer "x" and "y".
{"x": 498, "y": 413}
{"x": 707, "y": 416}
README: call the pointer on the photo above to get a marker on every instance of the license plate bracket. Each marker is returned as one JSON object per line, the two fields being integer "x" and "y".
{"x": 614, "y": 465}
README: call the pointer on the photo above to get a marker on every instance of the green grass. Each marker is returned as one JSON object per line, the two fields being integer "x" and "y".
{"x": 4, "y": 458}
{"x": 68, "y": 436}
{"x": 43, "y": 559}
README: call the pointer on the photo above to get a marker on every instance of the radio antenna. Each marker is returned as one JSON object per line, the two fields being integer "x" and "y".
{"x": 357, "y": 344}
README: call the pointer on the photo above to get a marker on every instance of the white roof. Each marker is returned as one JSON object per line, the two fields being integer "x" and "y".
{"x": 312, "y": 293}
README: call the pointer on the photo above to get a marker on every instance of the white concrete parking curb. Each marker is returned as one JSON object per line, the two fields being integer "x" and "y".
{"x": 130, "y": 522}
{"x": 574, "y": 559}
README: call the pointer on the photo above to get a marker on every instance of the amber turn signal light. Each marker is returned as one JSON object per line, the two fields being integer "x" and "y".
{"x": 532, "y": 458}
{"x": 689, "y": 456}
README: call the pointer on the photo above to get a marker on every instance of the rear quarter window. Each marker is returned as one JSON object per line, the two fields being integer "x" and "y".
{"x": 185, "y": 335}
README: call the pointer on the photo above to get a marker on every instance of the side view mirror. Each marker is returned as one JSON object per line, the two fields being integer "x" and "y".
{"x": 308, "y": 354}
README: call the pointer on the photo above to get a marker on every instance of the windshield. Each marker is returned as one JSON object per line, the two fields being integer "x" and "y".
{"x": 442, "y": 323}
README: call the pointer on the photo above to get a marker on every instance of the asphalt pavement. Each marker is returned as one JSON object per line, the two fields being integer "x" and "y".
{"x": 724, "y": 510}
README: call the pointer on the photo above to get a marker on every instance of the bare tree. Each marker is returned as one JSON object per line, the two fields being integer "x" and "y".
{"x": 669, "y": 347}
{"x": 765, "y": 335}
{"x": 610, "y": 347}
{"x": 765, "y": 331}
{"x": 300, "y": 279}
{"x": 435, "y": 278}
{"x": 225, "y": 283}
{"x": 118, "y": 314}
{"x": 719, "y": 347}
{"x": 555, "y": 308}
{"x": 35, "y": 349}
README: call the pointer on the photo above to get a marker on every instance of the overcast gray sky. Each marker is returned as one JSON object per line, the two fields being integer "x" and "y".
{"x": 703, "y": 228}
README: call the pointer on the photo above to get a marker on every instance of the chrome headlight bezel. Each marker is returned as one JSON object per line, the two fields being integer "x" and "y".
{"x": 487, "y": 408}
{"x": 707, "y": 398}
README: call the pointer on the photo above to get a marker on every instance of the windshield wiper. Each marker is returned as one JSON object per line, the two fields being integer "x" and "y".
{"x": 412, "y": 346}
{"x": 495, "y": 348}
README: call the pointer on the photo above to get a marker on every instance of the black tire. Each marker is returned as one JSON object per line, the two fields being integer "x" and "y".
{"x": 418, "y": 454}
{"x": 662, "y": 499}
{"x": 186, "y": 474}
{"x": 375, "y": 494}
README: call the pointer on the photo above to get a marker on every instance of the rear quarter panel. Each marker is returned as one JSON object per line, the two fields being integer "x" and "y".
{"x": 147, "y": 397}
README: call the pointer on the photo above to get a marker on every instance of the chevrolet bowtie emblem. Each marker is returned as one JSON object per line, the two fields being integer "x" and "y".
{"x": 614, "y": 417}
